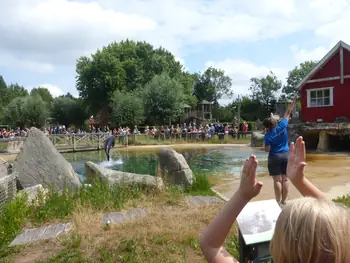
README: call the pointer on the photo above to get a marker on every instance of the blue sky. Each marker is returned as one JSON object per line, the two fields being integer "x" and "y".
{"x": 40, "y": 40}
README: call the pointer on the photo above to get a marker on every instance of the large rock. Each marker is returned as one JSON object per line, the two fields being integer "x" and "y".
{"x": 116, "y": 177}
{"x": 40, "y": 163}
{"x": 175, "y": 168}
{"x": 257, "y": 139}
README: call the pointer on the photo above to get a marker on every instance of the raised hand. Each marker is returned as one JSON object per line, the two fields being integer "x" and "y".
{"x": 296, "y": 160}
{"x": 249, "y": 186}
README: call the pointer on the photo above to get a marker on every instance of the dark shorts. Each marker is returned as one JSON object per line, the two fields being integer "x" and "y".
{"x": 277, "y": 164}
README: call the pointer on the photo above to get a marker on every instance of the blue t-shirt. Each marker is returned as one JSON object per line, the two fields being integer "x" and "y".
{"x": 277, "y": 139}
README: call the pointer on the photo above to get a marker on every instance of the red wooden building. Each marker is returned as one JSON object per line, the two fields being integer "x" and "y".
{"x": 325, "y": 91}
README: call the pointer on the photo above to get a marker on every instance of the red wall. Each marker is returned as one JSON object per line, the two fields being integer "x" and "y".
{"x": 330, "y": 69}
{"x": 346, "y": 56}
{"x": 341, "y": 100}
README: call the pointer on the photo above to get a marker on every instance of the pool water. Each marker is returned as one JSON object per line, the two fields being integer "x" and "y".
{"x": 221, "y": 161}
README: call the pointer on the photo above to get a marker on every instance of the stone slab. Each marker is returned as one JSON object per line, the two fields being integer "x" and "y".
{"x": 205, "y": 200}
{"x": 42, "y": 233}
{"x": 119, "y": 217}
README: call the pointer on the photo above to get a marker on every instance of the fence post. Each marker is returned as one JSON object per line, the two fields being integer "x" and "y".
{"x": 74, "y": 143}
{"x": 98, "y": 141}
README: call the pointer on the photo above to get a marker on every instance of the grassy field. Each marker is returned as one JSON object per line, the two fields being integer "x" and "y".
{"x": 147, "y": 140}
{"x": 3, "y": 145}
{"x": 169, "y": 233}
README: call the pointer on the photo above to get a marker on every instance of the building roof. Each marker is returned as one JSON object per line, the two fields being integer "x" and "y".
{"x": 186, "y": 106}
{"x": 323, "y": 61}
{"x": 205, "y": 102}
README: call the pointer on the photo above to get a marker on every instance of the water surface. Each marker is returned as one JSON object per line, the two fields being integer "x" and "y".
{"x": 221, "y": 161}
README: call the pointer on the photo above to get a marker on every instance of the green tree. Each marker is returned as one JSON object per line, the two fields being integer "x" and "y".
{"x": 8, "y": 93}
{"x": 26, "y": 111}
{"x": 44, "y": 93}
{"x": 2, "y": 83}
{"x": 14, "y": 112}
{"x": 251, "y": 110}
{"x": 126, "y": 65}
{"x": 127, "y": 108}
{"x": 212, "y": 85}
{"x": 36, "y": 111}
{"x": 163, "y": 99}
{"x": 69, "y": 111}
{"x": 265, "y": 89}
{"x": 296, "y": 75}
{"x": 223, "y": 113}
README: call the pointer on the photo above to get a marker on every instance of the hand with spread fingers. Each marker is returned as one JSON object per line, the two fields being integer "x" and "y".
{"x": 249, "y": 186}
{"x": 296, "y": 160}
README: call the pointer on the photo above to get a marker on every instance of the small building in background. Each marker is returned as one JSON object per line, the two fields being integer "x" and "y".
{"x": 325, "y": 91}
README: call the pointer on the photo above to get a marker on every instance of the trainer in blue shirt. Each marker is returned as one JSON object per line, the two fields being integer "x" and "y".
{"x": 276, "y": 143}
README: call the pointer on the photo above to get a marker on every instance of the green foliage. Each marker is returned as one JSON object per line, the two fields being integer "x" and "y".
{"x": 163, "y": 99}
{"x": 44, "y": 93}
{"x": 60, "y": 205}
{"x": 26, "y": 111}
{"x": 223, "y": 113}
{"x": 8, "y": 93}
{"x": 296, "y": 75}
{"x": 36, "y": 111}
{"x": 201, "y": 186}
{"x": 69, "y": 111}
{"x": 126, "y": 65}
{"x": 212, "y": 85}
{"x": 127, "y": 108}
{"x": 12, "y": 218}
{"x": 345, "y": 200}
{"x": 14, "y": 112}
{"x": 265, "y": 89}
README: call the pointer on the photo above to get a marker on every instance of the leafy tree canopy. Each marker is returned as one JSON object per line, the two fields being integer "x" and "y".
{"x": 212, "y": 85}
{"x": 296, "y": 75}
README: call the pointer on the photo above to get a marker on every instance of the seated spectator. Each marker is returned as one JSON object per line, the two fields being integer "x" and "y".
{"x": 308, "y": 230}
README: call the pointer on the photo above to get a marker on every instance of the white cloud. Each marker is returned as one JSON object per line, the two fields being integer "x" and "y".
{"x": 54, "y": 90}
{"x": 43, "y": 35}
{"x": 241, "y": 71}
{"x": 300, "y": 54}
{"x": 59, "y": 31}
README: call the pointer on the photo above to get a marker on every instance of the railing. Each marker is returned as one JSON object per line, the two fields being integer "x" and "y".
{"x": 78, "y": 142}
{"x": 95, "y": 141}
{"x": 8, "y": 189}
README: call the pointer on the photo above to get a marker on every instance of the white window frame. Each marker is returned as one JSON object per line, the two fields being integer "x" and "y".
{"x": 331, "y": 103}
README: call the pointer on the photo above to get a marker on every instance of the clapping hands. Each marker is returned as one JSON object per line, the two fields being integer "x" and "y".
{"x": 296, "y": 160}
{"x": 249, "y": 186}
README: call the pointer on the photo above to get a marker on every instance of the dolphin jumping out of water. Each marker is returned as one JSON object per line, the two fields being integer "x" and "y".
{"x": 109, "y": 143}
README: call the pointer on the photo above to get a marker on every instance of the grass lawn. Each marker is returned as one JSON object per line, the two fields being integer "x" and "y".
{"x": 3, "y": 145}
{"x": 147, "y": 140}
{"x": 169, "y": 233}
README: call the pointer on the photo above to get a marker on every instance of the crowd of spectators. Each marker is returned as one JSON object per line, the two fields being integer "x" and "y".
{"x": 164, "y": 131}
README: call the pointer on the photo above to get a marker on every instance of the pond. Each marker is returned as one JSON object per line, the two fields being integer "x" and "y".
{"x": 220, "y": 161}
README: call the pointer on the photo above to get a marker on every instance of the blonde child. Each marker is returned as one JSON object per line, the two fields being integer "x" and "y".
{"x": 308, "y": 230}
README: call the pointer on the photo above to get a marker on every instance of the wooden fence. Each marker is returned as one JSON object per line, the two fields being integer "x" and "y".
{"x": 78, "y": 142}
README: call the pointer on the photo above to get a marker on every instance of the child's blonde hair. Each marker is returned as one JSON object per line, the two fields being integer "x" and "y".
{"x": 309, "y": 230}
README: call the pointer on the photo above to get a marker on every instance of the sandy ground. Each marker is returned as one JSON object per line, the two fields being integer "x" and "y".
{"x": 331, "y": 174}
